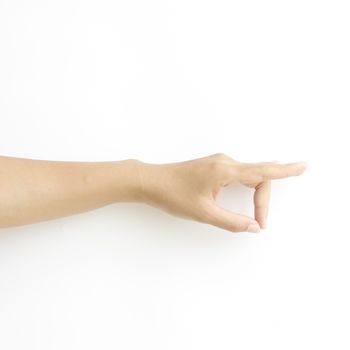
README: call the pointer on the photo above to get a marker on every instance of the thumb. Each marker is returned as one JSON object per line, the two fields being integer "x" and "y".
{"x": 231, "y": 221}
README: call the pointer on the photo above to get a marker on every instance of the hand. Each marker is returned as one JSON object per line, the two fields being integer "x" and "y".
{"x": 189, "y": 189}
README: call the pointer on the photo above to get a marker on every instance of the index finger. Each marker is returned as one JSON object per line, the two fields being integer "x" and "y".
{"x": 279, "y": 171}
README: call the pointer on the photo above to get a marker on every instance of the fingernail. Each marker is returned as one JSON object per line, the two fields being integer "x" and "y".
{"x": 253, "y": 228}
{"x": 303, "y": 164}
{"x": 265, "y": 222}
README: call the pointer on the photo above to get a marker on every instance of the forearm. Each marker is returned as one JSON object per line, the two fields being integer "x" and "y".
{"x": 37, "y": 190}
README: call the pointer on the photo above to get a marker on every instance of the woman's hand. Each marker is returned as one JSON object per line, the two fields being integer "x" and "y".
{"x": 36, "y": 190}
{"x": 189, "y": 189}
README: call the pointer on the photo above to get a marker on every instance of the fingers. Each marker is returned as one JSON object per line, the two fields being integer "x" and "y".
{"x": 231, "y": 221}
{"x": 261, "y": 172}
{"x": 256, "y": 175}
{"x": 280, "y": 171}
{"x": 261, "y": 202}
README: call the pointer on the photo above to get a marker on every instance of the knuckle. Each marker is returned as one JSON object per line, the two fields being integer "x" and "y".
{"x": 252, "y": 175}
{"x": 221, "y": 156}
{"x": 219, "y": 162}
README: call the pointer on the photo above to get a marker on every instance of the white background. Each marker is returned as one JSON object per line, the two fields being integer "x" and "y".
{"x": 166, "y": 81}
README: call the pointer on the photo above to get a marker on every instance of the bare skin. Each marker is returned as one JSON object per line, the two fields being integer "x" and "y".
{"x": 36, "y": 190}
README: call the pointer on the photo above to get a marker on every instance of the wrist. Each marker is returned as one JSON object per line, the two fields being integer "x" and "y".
{"x": 148, "y": 180}
{"x": 135, "y": 179}
{"x": 128, "y": 182}
{"x": 142, "y": 170}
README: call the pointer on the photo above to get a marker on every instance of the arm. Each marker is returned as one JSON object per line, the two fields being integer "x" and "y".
{"x": 36, "y": 190}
